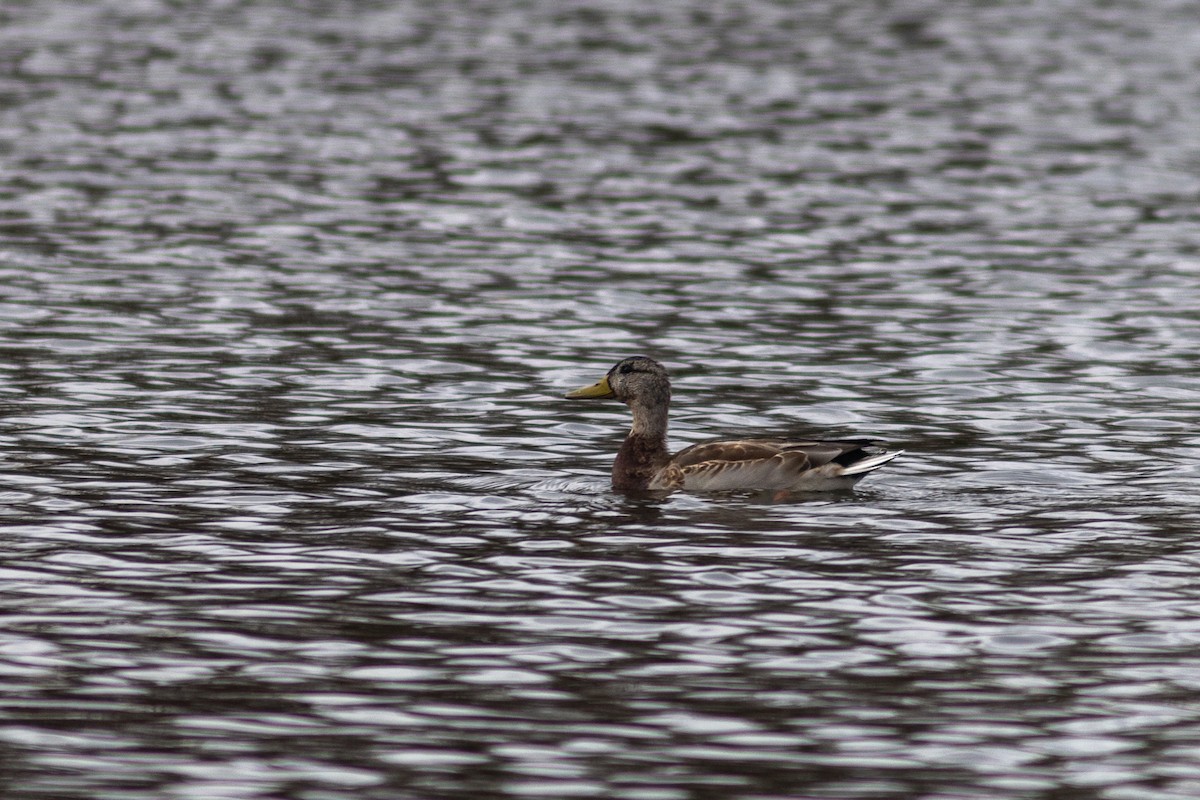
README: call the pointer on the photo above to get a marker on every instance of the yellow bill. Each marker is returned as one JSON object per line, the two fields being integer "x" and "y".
{"x": 599, "y": 389}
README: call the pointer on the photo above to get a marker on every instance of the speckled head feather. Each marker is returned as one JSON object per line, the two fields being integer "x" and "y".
{"x": 640, "y": 380}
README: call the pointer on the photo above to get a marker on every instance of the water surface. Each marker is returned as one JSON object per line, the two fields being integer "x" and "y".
{"x": 292, "y": 507}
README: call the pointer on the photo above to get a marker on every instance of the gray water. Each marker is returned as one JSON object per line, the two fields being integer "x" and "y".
{"x": 292, "y": 508}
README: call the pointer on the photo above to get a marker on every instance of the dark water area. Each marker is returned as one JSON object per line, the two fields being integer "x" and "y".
{"x": 290, "y": 506}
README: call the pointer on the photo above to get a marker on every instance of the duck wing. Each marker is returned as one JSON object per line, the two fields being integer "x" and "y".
{"x": 777, "y": 464}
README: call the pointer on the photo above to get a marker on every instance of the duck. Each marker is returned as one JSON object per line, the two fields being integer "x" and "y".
{"x": 645, "y": 464}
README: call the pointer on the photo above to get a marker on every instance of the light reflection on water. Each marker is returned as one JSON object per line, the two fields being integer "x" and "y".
{"x": 291, "y": 506}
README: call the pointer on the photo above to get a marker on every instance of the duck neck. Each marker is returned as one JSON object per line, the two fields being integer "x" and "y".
{"x": 644, "y": 451}
{"x": 650, "y": 421}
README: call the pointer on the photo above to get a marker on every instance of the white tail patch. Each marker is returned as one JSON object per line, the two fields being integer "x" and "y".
{"x": 869, "y": 464}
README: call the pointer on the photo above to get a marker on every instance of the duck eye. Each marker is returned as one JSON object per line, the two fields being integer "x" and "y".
{"x": 626, "y": 369}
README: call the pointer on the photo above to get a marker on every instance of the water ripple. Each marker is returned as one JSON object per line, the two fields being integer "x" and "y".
{"x": 289, "y": 503}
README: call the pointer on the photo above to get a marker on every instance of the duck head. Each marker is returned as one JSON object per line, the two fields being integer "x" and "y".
{"x": 634, "y": 381}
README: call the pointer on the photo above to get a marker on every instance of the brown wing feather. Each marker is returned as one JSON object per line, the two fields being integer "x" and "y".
{"x": 815, "y": 452}
{"x": 767, "y": 464}
{"x": 778, "y": 471}
{"x": 732, "y": 450}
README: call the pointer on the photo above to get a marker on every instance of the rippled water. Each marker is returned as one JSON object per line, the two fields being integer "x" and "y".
{"x": 289, "y": 294}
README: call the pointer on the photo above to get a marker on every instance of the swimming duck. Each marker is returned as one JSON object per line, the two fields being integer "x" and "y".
{"x": 643, "y": 462}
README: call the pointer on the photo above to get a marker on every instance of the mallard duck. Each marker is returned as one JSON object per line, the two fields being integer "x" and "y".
{"x": 643, "y": 462}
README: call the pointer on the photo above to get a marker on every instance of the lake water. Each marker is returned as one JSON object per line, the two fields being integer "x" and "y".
{"x": 292, "y": 508}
